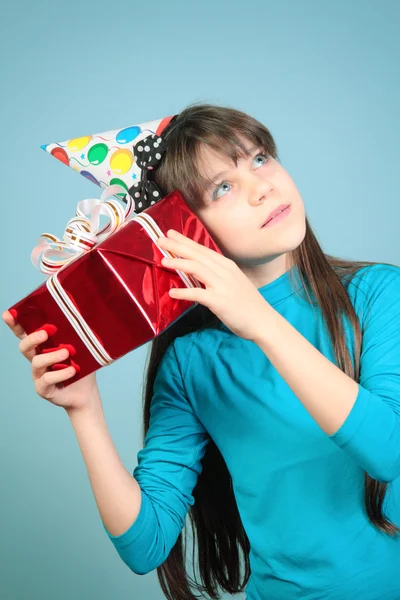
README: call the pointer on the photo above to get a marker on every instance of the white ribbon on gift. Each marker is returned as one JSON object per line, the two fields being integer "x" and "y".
{"x": 81, "y": 234}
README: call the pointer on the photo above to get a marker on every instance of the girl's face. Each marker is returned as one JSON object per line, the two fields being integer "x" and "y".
{"x": 239, "y": 203}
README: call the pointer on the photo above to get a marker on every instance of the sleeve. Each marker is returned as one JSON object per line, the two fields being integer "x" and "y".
{"x": 371, "y": 432}
{"x": 168, "y": 468}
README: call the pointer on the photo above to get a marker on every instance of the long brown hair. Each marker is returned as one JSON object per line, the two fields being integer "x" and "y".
{"x": 214, "y": 516}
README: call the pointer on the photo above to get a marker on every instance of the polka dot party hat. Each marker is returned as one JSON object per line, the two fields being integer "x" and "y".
{"x": 120, "y": 156}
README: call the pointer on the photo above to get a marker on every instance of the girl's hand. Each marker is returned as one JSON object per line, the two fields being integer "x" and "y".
{"x": 229, "y": 293}
{"x": 77, "y": 396}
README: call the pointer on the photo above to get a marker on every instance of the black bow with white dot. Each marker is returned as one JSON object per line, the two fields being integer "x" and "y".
{"x": 148, "y": 154}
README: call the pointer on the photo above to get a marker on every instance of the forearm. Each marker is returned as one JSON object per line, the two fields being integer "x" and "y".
{"x": 326, "y": 392}
{"x": 117, "y": 493}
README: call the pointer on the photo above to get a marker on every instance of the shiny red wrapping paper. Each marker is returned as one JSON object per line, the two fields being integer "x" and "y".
{"x": 119, "y": 287}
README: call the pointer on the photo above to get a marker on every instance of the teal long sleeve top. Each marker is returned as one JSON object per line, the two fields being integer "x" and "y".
{"x": 299, "y": 491}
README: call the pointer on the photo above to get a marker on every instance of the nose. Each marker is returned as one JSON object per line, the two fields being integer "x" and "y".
{"x": 258, "y": 188}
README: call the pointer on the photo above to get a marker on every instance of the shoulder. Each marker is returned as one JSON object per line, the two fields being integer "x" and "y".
{"x": 374, "y": 278}
{"x": 179, "y": 352}
{"x": 198, "y": 348}
{"x": 375, "y": 287}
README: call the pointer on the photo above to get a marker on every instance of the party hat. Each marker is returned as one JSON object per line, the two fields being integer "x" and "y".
{"x": 107, "y": 158}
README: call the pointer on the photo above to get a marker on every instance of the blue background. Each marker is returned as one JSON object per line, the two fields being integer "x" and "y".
{"x": 322, "y": 75}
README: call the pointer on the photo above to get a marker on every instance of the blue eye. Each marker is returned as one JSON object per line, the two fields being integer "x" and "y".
{"x": 225, "y": 183}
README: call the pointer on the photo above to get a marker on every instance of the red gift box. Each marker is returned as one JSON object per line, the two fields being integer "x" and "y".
{"x": 114, "y": 297}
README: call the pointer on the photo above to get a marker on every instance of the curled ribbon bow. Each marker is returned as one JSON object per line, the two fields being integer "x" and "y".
{"x": 148, "y": 154}
{"x": 83, "y": 231}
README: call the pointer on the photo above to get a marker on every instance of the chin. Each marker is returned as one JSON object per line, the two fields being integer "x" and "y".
{"x": 296, "y": 236}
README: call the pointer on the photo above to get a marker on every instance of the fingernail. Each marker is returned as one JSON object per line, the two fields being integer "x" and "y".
{"x": 59, "y": 366}
{"x": 69, "y": 347}
{"x": 76, "y": 367}
{"x": 49, "y": 328}
{"x": 14, "y": 313}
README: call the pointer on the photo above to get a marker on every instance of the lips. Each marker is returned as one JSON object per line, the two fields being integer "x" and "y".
{"x": 275, "y": 212}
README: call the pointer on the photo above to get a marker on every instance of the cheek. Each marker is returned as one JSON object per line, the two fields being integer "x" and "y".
{"x": 220, "y": 223}
{"x": 223, "y": 230}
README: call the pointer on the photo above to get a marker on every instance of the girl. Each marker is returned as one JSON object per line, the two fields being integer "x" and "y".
{"x": 272, "y": 408}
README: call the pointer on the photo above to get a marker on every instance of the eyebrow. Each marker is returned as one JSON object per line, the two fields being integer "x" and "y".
{"x": 218, "y": 175}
